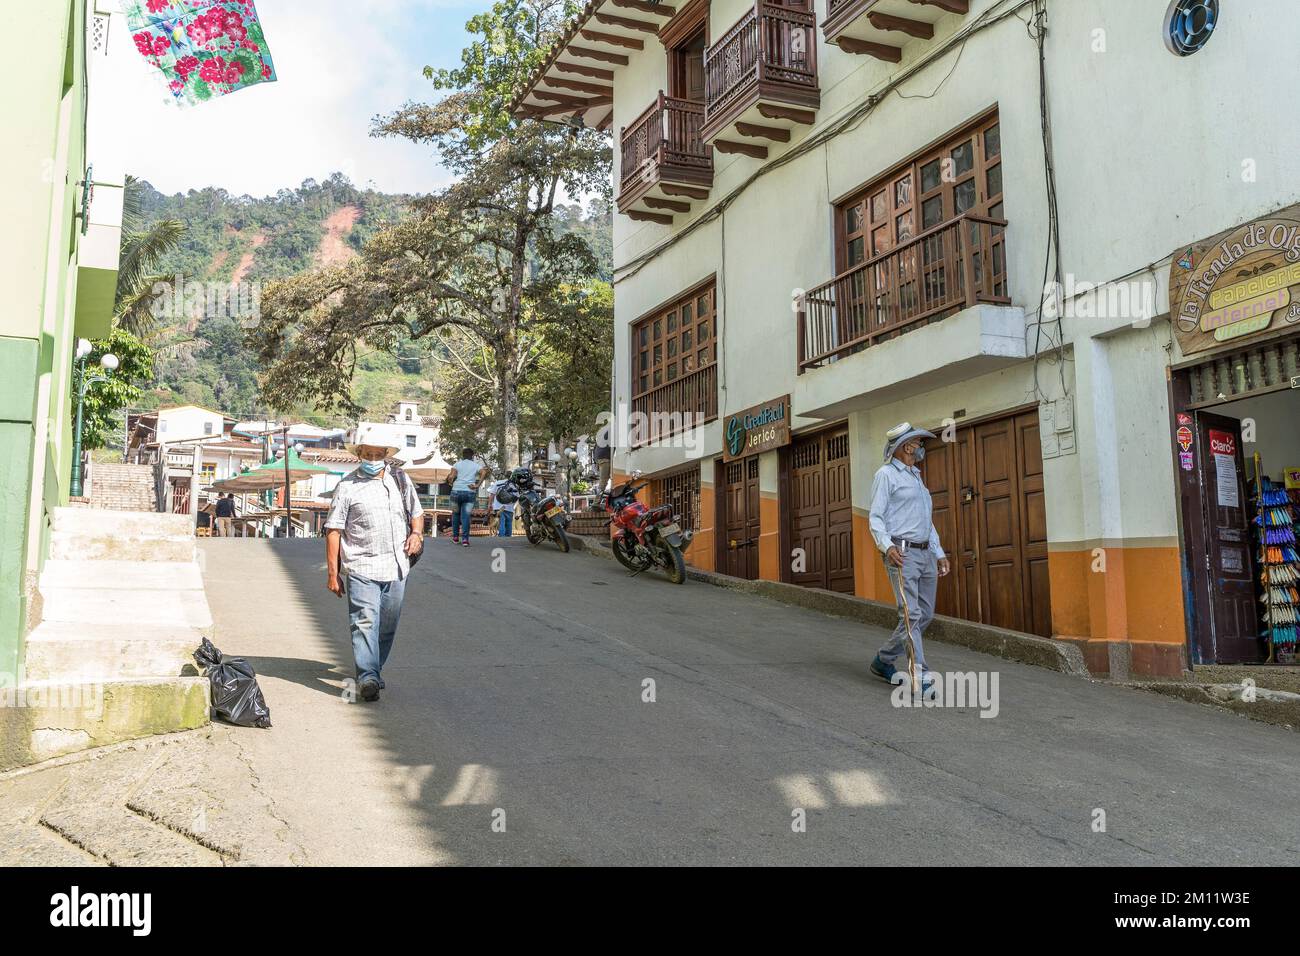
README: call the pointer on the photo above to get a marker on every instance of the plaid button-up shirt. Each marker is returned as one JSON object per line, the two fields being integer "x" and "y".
{"x": 372, "y": 515}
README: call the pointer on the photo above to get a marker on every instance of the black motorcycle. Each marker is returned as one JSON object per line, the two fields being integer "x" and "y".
{"x": 543, "y": 516}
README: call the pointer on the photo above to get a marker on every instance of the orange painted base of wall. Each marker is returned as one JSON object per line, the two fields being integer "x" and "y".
{"x": 769, "y": 537}
{"x": 1121, "y": 594}
{"x": 869, "y": 577}
{"x": 700, "y": 552}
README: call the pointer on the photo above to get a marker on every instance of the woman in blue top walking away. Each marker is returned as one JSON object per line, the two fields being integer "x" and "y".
{"x": 464, "y": 492}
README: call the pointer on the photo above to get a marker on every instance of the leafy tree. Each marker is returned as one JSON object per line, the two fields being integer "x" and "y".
{"x": 568, "y": 386}
{"x": 144, "y": 246}
{"x": 481, "y": 257}
{"x": 104, "y": 400}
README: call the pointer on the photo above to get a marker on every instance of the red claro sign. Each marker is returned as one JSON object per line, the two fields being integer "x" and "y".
{"x": 1222, "y": 443}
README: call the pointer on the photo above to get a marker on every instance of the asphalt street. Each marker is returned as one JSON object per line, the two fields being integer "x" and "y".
{"x": 544, "y": 708}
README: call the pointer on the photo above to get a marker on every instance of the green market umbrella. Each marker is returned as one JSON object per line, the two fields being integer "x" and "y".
{"x": 271, "y": 475}
{"x": 298, "y": 469}
{"x": 203, "y": 48}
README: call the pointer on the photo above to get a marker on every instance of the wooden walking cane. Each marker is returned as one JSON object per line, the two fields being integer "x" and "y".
{"x": 907, "y": 623}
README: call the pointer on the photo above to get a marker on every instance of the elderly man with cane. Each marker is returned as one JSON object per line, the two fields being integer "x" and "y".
{"x": 902, "y": 525}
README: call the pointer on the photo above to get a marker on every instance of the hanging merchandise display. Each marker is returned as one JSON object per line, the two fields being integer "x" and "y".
{"x": 203, "y": 48}
{"x": 1277, "y": 515}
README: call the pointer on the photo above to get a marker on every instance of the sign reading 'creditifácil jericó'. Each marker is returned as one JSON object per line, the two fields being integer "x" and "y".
{"x": 1242, "y": 283}
{"x": 756, "y": 429}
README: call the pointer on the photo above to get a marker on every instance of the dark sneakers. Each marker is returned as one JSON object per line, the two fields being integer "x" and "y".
{"x": 882, "y": 670}
{"x": 370, "y": 689}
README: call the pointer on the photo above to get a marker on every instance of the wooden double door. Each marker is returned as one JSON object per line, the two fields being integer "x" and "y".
{"x": 820, "y": 511}
{"x": 991, "y": 514}
{"x": 741, "y": 524}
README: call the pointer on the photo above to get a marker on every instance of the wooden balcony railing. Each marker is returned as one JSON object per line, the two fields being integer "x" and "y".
{"x": 675, "y": 406}
{"x": 950, "y": 267}
{"x": 667, "y": 134}
{"x": 770, "y": 46}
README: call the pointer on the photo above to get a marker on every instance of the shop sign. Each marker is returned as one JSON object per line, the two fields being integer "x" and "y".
{"x": 1239, "y": 284}
{"x": 761, "y": 428}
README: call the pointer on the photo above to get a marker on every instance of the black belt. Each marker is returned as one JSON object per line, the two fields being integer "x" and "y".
{"x": 911, "y": 544}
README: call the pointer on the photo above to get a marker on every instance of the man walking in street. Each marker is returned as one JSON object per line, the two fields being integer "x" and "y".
{"x": 902, "y": 525}
{"x": 503, "y": 513}
{"x": 225, "y": 514}
{"x": 603, "y": 459}
{"x": 375, "y": 526}
{"x": 464, "y": 492}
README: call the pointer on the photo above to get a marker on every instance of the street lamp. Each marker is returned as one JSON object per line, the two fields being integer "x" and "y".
{"x": 109, "y": 363}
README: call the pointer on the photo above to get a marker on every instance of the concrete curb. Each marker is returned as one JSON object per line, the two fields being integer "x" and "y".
{"x": 1057, "y": 656}
{"x": 1278, "y": 707}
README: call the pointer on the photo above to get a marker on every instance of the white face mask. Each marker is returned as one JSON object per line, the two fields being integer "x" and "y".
{"x": 918, "y": 456}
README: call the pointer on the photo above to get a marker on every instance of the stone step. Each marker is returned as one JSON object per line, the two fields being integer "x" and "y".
{"x": 74, "y": 545}
{"x": 59, "y": 718}
{"x": 141, "y": 606}
{"x": 172, "y": 576}
{"x": 94, "y": 522}
{"x": 62, "y": 651}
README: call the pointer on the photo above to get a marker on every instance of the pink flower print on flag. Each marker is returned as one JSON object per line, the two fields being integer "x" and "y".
{"x": 155, "y": 6}
{"x": 213, "y": 70}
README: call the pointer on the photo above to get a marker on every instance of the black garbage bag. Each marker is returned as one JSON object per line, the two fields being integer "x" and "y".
{"x": 236, "y": 698}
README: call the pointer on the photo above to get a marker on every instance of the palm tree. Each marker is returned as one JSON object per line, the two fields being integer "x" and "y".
{"x": 144, "y": 245}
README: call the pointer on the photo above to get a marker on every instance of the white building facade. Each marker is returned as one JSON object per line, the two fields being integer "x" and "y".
{"x": 839, "y": 216}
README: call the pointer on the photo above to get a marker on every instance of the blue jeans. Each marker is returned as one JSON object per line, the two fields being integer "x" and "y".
{"x": 374, "y": 608}
{"x": 506, "y": 523}
{"x": 462, "y": 507}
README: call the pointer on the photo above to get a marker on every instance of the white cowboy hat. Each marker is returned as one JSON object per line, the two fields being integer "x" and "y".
{"x": 374, "y": 436}
{"x": 899, "y": 434}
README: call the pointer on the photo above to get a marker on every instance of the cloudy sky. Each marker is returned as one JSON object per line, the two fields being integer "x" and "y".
{"x": 338, "y": 62}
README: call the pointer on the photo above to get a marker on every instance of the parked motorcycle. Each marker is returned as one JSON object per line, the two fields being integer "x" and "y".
{"x": 543, "y": 516}
{"x": 643, "y": 538}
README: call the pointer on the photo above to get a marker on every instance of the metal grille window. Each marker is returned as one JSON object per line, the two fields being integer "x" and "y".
{"x": 682, "y": 491}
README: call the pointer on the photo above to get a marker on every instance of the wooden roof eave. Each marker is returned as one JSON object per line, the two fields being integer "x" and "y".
{"x": 576, "y": 81}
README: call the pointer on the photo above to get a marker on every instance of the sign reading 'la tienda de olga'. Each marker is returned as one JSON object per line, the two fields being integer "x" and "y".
{"x": 1241, "y": 283}
{"x": 760, "y": 428}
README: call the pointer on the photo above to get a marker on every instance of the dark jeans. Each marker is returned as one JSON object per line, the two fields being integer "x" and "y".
{"x": 462, "y": 507}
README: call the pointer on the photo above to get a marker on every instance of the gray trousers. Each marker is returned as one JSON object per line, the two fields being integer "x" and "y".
{"x": 918, "y": 578}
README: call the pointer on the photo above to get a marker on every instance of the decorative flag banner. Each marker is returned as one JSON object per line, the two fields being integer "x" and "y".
{"x": 204, "y": 48}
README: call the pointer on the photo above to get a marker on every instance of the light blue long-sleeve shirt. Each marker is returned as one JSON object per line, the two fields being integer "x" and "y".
{"x": 901, "y": 507}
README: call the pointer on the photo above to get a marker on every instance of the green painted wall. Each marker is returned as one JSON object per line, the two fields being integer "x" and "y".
{"x": 41, "y": 167}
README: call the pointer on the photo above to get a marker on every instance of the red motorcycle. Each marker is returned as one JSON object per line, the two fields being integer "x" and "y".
{"x": 643, "y": 538}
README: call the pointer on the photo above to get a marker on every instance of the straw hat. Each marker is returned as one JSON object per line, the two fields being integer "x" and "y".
{"x": 897, "y": 436}
{"x": 374, "y": 436}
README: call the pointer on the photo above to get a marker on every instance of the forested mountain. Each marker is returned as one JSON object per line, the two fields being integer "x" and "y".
{"x": 249, "y": 241}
